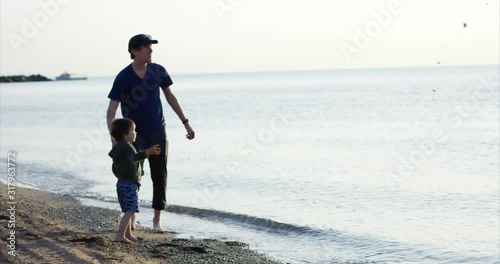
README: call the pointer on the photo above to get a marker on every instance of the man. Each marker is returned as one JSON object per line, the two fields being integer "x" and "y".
{"x": 137, "y": 89}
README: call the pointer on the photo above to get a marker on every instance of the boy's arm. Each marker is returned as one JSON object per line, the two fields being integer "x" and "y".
{"x": 154, "y": 150}
{"x": 140, "y": 156}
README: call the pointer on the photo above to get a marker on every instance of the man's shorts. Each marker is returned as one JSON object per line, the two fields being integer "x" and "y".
{"x": 127, "y": 191}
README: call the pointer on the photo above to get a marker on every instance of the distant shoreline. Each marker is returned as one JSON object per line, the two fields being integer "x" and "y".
{"x": 24, "y": 78}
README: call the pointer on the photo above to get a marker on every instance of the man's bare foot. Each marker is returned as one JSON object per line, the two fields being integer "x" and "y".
{"x": 157, "y": 228}
{"x": 133, "y": 239}
{"x": 122, "y": 240}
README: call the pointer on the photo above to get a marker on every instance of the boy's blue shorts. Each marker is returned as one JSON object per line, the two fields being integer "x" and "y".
{"x": 127, "y": 191}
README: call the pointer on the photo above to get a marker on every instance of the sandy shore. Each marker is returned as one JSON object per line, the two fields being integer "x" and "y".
{"x": 39, "y": 227}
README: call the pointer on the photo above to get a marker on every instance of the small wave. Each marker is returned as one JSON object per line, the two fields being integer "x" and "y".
{"x": 96, "y": 196}
{"x": 49, "y": 178}
{"x": 247, "y": 220}
{"x": 222, "y": 216}
{"x": 216, "y": 215}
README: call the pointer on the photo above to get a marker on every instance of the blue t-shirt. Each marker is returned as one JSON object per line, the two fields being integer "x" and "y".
{"x": 140, "y": 98}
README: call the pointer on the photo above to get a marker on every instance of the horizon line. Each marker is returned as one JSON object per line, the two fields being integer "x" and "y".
{"x": 291, "y": 71}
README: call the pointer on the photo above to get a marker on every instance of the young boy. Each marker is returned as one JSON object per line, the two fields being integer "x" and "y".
{"x": 127, "y": 169}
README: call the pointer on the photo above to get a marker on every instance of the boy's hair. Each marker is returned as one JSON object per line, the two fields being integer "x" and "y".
{"x": 120, "y": 127}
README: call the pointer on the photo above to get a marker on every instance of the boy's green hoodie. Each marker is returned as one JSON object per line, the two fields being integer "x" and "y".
{"x": 126, "y": 159}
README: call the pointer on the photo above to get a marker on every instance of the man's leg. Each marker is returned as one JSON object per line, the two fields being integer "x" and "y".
{"x": 158, "y": 167}
{"x": 157, "y": 221}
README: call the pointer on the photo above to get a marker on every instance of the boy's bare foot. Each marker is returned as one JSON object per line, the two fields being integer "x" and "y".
{"x": 132, "y": 222}
{"x": 133, "y": 239}
{"x": 122, "y": 240}
{"x": 136, "y": 226}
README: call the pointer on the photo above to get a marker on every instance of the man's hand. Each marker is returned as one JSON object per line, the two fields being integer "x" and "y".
{"x": 110, "y": 116}
{"x": 190, "y": 131}
{"x": 154, "y": 150}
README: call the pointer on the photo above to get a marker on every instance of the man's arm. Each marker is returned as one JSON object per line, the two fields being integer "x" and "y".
{"x": 110, "y": 116}
{"x": 174, "y": 103}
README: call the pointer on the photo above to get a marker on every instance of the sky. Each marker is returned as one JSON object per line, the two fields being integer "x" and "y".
{"x": 90, "y": 37}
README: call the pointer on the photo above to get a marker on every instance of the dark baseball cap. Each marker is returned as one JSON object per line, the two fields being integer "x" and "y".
{"x": 140, "y": 40}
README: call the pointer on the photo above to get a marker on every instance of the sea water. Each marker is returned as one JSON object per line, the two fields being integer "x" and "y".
{"x": 345, "y": 166}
